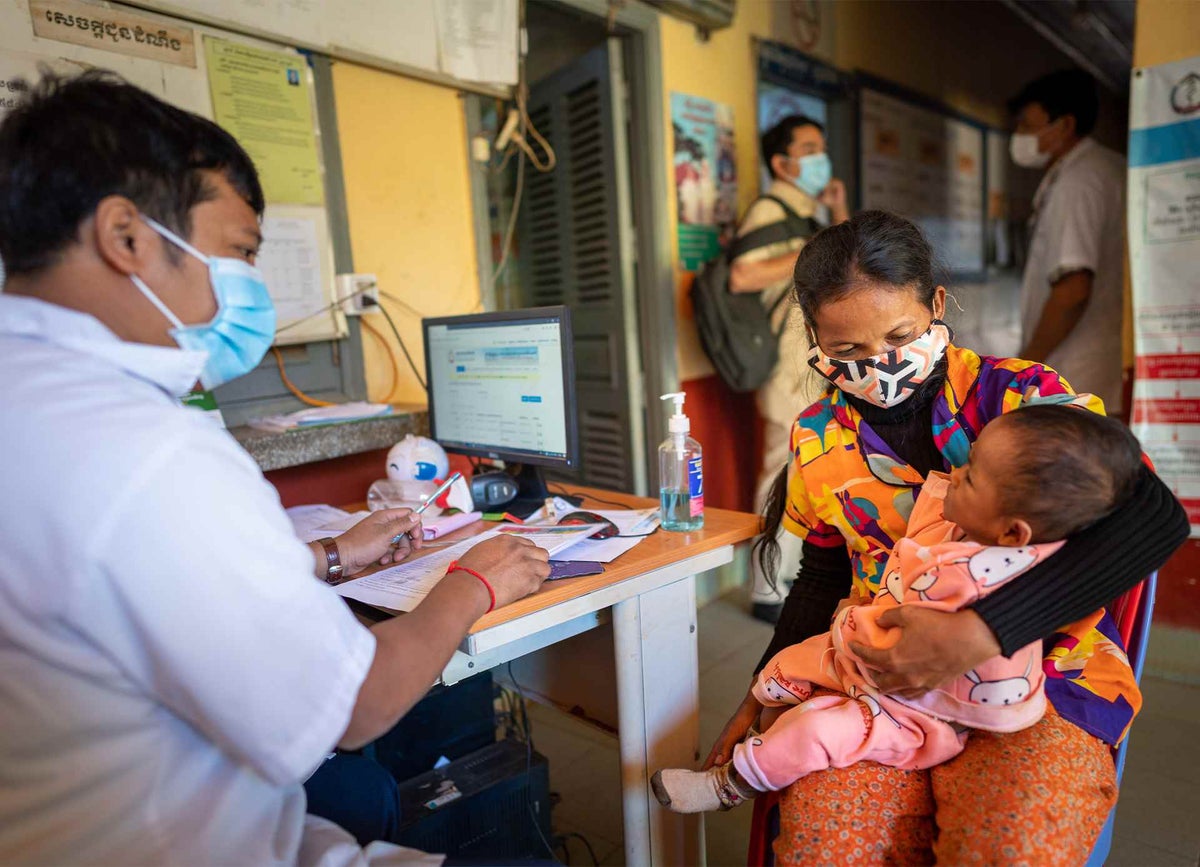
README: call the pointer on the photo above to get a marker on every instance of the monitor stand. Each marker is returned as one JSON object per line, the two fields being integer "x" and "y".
{"x": 531, "y": 490}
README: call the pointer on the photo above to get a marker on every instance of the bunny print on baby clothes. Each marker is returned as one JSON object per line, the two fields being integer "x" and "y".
{"x": 1010, "y": 690}
{"x": 996, "y": 564}
{"x": 895, "y": 584}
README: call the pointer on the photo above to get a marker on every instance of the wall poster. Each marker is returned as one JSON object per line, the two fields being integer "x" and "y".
{"x": 1164, "y": 247}
{"x": 927, "y": 166}
{"x": 705, "y": 177}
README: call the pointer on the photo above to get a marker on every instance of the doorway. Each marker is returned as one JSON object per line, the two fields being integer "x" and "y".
{"x": 575, "y": 232}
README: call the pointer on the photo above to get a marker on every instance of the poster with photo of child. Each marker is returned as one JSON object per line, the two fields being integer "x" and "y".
{"x": 705, "y": 177}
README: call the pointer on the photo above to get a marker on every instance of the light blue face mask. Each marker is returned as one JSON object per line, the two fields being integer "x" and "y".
{"x": 240, "y": 334}
{"x": 816, "y": 171}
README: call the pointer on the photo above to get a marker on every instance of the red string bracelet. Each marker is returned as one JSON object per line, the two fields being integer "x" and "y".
{"x": 454, "y": 567}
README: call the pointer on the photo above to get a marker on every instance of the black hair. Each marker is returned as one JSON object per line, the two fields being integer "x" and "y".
{"x": 1072, "y": 467}
{"x": 777, "y": 139}
{"x": 875, "y": 247}
{"x": 766, "y": 546}
{"x": 75, "y": 140}
{"x": 1068, "y": 91}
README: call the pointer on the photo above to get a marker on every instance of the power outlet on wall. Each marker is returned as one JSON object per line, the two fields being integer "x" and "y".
{"x": 359, "y": 293}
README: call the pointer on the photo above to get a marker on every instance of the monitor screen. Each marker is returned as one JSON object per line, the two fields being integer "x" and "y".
{"x": 502, "y": 385}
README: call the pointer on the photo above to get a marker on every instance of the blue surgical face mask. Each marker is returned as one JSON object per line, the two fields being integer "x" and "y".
{"x": 816, "y": 171}
{"x": 240, "y": 334}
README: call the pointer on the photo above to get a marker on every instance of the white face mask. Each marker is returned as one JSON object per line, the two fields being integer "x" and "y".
{"x": 1023, "y": 148}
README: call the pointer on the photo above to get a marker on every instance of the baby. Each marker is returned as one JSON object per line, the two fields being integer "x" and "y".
{"x": 1034, "y": 476}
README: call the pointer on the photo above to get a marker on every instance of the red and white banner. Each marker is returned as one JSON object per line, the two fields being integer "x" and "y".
{"x": 1164, "y": 250}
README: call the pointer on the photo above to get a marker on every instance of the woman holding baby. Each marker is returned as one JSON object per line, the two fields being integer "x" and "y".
{"x": 904, "y": 401}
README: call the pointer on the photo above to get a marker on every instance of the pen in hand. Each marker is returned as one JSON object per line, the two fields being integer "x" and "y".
{"x": 445, "y": 486}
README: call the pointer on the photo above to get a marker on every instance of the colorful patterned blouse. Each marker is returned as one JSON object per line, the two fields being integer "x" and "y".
{"x": 848, "y": 487}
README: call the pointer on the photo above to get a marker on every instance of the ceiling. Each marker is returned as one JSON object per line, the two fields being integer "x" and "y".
{"x": 1096, "y": 34}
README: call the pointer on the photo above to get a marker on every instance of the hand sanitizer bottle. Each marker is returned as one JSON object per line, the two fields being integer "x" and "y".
{"x": 681, "y": 474}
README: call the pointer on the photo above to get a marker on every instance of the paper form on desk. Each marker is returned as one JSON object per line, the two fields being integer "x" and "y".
{"x": 307, "y": 521}
{"x": 402, "y": 587}
{"x": 633, "y": 525}
{"x": 316, "y": 522}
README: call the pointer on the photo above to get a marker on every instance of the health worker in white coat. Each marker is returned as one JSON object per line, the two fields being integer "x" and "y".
{"x": 1071, "y": 296}
{"x": 172, "y": 668}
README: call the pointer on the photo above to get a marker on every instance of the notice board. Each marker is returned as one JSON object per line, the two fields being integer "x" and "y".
{"x": 260, "y": 91}
{"x": 927, "y": 164}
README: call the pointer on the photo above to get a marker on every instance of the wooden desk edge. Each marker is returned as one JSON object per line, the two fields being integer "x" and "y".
{"x": 721, "y": 527}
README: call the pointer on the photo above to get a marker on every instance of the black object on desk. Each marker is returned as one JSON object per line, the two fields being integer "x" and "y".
{"x": 573, "y": 569}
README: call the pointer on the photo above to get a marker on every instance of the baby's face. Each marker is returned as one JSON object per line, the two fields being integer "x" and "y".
{"x": 974, "y": 498}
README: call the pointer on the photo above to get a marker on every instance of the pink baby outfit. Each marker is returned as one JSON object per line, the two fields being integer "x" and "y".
{"x": 932, "y": 567}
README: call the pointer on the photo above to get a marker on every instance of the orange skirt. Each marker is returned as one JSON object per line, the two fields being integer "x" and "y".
{"x": 1037, "y": 797}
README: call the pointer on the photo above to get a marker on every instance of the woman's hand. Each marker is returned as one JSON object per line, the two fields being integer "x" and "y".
{"x": 374, "y": 539}
{"x": 934, "y": 647}
{"x": 734, "y": 732}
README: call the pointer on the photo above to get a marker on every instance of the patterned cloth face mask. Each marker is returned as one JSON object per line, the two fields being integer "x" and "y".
{"x": 888, "y": 379}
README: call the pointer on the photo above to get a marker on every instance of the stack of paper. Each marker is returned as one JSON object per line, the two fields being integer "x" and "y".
{"x": 317, "y": 522}
{"x": 403, "y": 586}
{"x": 633, "y": 525}
{"x": 342, "y": 412}
{"x": 437, "y": 527}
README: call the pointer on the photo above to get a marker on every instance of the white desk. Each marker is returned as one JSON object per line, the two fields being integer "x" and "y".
{"x": 650, "y": 594}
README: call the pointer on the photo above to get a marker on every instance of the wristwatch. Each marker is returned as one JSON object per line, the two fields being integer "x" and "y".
{"x": 333, "y": 562}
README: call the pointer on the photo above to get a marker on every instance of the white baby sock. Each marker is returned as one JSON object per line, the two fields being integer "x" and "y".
{"x": 684, "y": 791}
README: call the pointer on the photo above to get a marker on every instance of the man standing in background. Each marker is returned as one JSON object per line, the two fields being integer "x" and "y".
{"x": 803, "y": 188}
{"x": 1071, "y": 297}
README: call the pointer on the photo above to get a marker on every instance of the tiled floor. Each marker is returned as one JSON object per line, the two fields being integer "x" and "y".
{"x": 1157, "y": 821}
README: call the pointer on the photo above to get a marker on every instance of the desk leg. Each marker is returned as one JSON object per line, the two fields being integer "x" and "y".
{"x": 658, "y": 705}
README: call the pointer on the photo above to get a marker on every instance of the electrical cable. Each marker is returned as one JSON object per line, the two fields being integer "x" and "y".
{"x": 584, "y": 840}
{"x": 402, "y": 303}
{"x": 337, "y": 302}
{"x": 403, "y": 347}
{"x": 527, "y": 126}
{"x": 506, "y": 249}
{"x": 528, "y": 760}
{"x": 394, "y": 371}
{"x": 519, "y": 143}
{"x": 304, "y": 398}
{"x": 563, "y": 492}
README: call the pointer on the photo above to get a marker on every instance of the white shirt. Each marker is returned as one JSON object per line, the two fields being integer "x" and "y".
{"x": 1079, "y": 223}
{"x": 170, "y": 669}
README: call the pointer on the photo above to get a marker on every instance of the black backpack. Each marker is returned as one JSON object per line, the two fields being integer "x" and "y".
{"x": 735, "y": 329}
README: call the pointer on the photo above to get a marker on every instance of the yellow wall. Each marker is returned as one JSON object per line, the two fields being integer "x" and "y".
{"x": 404, "y": 159}
{"x": 725, "y": 70}
{"x": 1166, "y": 31}
{"x": 970, "y": 56}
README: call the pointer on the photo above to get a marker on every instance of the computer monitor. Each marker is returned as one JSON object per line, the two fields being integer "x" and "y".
{"x": 502, "y": 386}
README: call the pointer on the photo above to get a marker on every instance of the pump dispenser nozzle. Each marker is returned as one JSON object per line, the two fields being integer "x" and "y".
{"x": 678, "y": 423}
{"x": 681, "y": 473}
